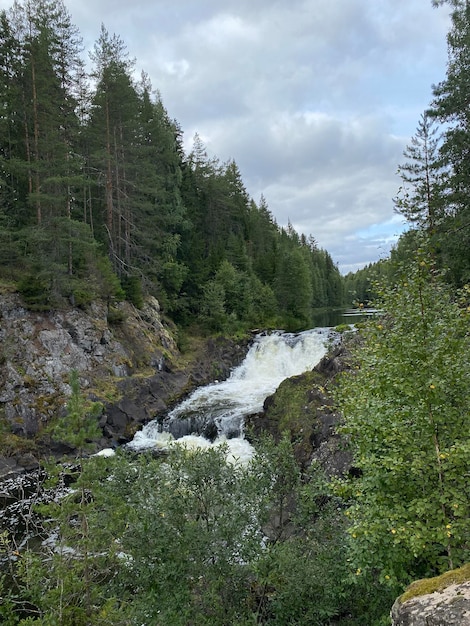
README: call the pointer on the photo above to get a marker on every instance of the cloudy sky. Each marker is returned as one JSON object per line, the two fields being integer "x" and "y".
{"x": 314, "y": 99}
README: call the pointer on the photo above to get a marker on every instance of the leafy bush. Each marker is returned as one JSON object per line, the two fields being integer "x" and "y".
{"x": 407, "y": 414}
{"x": 189, "y": 538}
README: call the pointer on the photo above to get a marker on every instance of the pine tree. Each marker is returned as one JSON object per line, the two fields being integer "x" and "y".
{"x": 41, "y": 165}
{"x": 48, "y": 54}
{"x": 293, "y": 287}
{"x": 420, "y": 199}
{"x": 111, "y": 135}
{"x": 159, "y": 208}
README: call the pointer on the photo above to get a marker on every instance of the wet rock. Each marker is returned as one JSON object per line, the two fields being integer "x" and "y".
{"x": 303, "y": 406}
{"x": 151, "y": 398}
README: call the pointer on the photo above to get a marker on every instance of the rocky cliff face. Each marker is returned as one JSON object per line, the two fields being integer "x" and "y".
{"x": 126, "y": 358}
{"x": 38, "y": 351}
{"x": 441, "y": 601}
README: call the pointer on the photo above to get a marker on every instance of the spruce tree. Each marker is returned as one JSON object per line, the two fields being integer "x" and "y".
{"x": 450, "y": 107}
{"x": 420, "y": 199}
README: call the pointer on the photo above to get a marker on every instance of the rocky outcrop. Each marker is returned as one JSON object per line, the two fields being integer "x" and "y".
{"x": 303, "y": 406}
{"x": 441, "y": 601}
{"x": 40, "y": 349}
{"x": 127, "y": 359}
{"x": 146, "y": 398}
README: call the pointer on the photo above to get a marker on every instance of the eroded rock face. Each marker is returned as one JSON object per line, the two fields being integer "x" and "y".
{"x": 303, "y": 406}
{"x": 130, "y": 366}
{"x": 39, "y": 350}
{"x": 447, "y": 607}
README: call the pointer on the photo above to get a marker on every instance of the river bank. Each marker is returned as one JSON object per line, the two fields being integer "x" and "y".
{"x": 131, "y": 365}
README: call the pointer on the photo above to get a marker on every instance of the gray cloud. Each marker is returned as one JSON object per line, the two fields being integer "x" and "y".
{"x": 314, "y": 99}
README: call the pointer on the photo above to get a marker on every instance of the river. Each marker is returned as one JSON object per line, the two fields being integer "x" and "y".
{"x": 336, "y": 317}
{"x": 211, "y": 416}
{"x": 214, "y": 414}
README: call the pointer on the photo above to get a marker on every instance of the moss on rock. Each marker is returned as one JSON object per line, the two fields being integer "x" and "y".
{"x": 438, "y": 583}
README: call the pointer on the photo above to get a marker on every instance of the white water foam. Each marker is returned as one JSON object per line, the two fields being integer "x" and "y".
{"x": 271, "y": 359}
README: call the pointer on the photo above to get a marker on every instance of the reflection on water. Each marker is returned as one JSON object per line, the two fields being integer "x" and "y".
{"x": 325, "y": 318}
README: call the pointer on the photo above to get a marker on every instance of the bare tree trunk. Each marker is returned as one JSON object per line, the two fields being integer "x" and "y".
{"x": 37, "y": 184}
{"x": 109, "y": 184}
{"x": 118, "y": 246}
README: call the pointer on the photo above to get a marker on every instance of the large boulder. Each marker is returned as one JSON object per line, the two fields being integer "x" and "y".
{"x": 440, "y": 601}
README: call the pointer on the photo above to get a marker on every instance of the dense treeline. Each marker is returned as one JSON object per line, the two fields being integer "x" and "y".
{"x": 97, "y": 197}
{"x": 362, "y": 287}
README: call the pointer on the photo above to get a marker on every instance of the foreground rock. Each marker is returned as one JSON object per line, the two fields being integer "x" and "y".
{"x": 441, "y": 601}
{"x": 127, "y": 359}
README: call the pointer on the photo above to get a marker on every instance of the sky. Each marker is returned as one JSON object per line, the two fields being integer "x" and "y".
{"x": 315, "y": 100}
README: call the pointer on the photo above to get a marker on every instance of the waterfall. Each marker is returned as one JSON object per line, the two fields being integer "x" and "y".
{"x": 214, "y": 414}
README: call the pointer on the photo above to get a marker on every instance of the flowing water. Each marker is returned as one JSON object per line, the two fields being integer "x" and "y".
{"x": 211, "y": 416}
{"x": 214, "y": 414}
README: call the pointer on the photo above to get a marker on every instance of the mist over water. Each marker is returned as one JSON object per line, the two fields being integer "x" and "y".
{"x": 214, "y": 414}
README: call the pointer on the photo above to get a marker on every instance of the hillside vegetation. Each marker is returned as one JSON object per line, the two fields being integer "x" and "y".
{"x": 98, "y": 198}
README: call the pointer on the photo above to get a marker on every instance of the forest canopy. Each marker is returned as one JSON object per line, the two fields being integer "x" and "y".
{"x": 98, "y": 198}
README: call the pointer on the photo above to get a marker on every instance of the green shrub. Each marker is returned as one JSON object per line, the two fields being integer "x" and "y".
{"x": 35, "y": 290}
{"x": 132, "y": 286}
{"x": 407, "y": 414}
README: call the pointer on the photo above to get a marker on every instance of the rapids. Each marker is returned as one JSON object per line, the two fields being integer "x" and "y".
{"x": 214, "y": 414}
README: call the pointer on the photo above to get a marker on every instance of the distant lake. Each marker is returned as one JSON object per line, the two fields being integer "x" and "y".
{"x": 334, "y": 317}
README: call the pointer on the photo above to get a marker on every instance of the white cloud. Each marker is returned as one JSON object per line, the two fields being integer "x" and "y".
{"x": 314, "y": 99}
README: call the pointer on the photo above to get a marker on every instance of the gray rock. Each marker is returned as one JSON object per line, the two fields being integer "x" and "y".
{"x": 9, "y": 467}
{"x": 131, "y": 361}
{"x": 28, "y": 461}
{"x": 39, "y": 350}
{"x": 441, "y": 601}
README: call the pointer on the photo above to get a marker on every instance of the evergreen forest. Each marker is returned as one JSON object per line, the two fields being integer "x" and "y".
{"x": 98, "y": 198}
